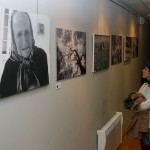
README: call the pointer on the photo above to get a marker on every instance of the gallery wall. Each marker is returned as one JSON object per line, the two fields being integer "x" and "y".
{"x": 68, "y": 118}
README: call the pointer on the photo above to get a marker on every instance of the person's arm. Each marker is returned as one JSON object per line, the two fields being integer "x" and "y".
{"x": 145, "y": 105}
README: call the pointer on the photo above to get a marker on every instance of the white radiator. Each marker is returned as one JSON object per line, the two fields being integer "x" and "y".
{"x": 110, "y": 136}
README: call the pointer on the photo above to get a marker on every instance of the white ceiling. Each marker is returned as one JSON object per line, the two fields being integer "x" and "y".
{"x": 140, "y": 7}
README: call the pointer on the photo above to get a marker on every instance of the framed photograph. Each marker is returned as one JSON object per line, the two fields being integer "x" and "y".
{"x": 127, "y": 48}
{"x": 24, "y": 51}
{"x": 71, "y": 53}
{"x": 134, "y": 50}
{"x": 116, "y": 49}
{"x": 101, "y": 52}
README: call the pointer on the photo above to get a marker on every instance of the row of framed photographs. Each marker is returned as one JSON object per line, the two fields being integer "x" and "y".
{"x": 116, "y": 47}
{"x": 71, "y": 52}
{"x": 71, "y": 47}
{"x": 24, "y": 52}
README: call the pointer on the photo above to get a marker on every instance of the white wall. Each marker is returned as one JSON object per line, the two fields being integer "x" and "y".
{"x": 68, "y": 119}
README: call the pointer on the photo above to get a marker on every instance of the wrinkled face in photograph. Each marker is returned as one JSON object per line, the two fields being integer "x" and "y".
{"x": 22, "y": 34}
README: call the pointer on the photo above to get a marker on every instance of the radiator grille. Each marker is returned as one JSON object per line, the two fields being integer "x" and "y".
{"x": 110, "y": 136}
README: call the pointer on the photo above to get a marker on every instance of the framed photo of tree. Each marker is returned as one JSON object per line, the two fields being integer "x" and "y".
{"x": 71, "y": 53}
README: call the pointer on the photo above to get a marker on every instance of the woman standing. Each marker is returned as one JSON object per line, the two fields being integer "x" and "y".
{"x": 145, "y": 106}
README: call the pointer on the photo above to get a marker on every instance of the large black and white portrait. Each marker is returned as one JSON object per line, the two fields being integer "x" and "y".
{"x": 71, "y": 53}
{"x": 134, "y": 50}
{"x": 127, "y": 48}
{"x": 101, "y": 52}
{"x": 116, "y": 49}
{"x": 24, "y": 51}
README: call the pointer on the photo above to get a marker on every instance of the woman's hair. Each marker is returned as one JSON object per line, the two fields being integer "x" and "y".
{"x": 147, "y": 64}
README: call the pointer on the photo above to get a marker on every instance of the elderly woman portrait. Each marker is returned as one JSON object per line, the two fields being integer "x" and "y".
{"x": 27, "y": 67}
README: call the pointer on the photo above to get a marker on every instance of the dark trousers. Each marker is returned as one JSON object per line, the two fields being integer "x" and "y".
{"x": 143, "y": 146}
{"x": 145, "y": 141}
